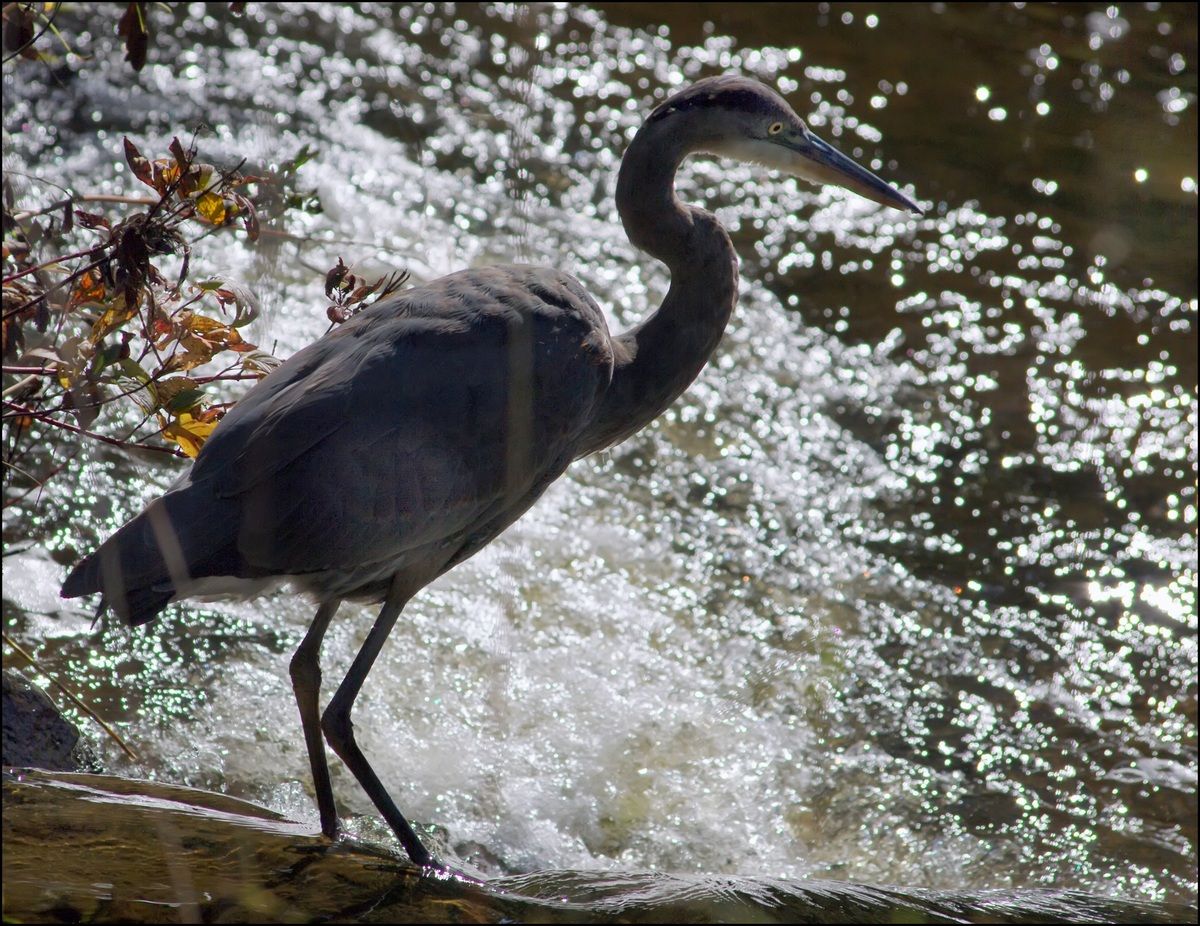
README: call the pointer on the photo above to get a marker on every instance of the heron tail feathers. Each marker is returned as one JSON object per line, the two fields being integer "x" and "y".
{"x": 140, "y": 568}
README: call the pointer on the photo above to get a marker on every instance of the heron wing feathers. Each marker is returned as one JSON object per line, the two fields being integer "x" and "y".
{"x": 413, "y": 423}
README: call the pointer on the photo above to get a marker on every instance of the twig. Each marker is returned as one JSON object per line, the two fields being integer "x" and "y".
{"x": 21, "y": 411}
{"x": 20, "y": 384}
{"x": 312, "y": 239}
{"x": 38, "y": 484}
{"x": 47, "y": 265}
{"x": 86, "y": 198}
{"x": 74, "y": 698}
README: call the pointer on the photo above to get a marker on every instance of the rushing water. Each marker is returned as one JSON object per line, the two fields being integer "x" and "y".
{"x": 902, "y": 590}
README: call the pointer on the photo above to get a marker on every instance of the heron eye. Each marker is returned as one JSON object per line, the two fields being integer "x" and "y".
{"x": 775, "y": 129}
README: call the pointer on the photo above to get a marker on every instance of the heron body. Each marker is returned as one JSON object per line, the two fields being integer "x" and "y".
{"x": 391, "y": 449}
{"x": 401, "y": 443}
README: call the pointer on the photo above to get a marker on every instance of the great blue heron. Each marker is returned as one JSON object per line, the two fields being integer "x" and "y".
{"x": 401, "y": 443}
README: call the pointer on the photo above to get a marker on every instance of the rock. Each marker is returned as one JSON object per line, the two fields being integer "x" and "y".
{"x": 36, "y": 735}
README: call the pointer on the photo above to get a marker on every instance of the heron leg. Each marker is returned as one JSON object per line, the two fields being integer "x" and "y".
{"x": 339, "y": 731}
{"x": 306, "y": 683}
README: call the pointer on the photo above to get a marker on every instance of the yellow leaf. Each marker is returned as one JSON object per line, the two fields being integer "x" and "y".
{"x": 236, "y": 342}
{"x": 211, "y": 208}
{"x": 201, "y": 324}
{"x": 218, "y": 334}
{"x": 189, "y": 433}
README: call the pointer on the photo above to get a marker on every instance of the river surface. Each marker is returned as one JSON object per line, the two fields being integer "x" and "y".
{"x": 903, "y": 590}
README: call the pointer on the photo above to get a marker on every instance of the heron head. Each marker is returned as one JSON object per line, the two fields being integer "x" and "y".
{"x": 736, "y": 117}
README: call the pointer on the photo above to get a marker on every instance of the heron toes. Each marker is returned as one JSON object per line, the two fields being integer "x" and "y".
{"x": 331, "y": 830}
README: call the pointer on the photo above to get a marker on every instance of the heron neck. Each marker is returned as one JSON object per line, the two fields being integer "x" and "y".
{"x": 656, "y": 360}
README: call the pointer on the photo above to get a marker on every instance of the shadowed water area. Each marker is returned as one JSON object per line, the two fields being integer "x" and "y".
{"x": 901, "y": 591}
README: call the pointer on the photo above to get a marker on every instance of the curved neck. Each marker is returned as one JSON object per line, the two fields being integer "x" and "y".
{"x": 656, "y": 360}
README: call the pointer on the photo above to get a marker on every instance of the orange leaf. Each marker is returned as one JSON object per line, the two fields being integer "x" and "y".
{"x": 236, "y": 342}
{"x": 200, "y": 324}
{"x": 222, "y": 336}
{"x": 88, "y": 288}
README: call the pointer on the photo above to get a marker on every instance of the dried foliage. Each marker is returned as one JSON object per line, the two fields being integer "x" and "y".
{"x": 103, "y": 324}
{"x": 347, "y": 296}
{"x": 26, "y": 23}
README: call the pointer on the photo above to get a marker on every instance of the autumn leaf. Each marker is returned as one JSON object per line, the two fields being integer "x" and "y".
{"x": 197, "y": 179}
{"x": 91, "y": 220}
{"x": 217, "y": 333}
{"x": 235, "y": 342}
{"x": 138, "y": 164}
{"x": 110, "y": 354}
{"x": 189, "y": 432}
{"x": 211, "y": 208}
{"x": 259, "y": 362}
{"x": 168, "y": 173}
{"x": 200, "y": 324}
{"x": 88, "y": 288}
{"x": 250, "y": 221}
{"x": 182, "y": 158}
{"x": 185, "y": 400}
{"x": 114, "y": 317}
{"x": 196, "y": 351}
{"x": 334, "y": 278}
{"x": 12, "y": 338}
{"x": 245, "y": 303}
{"x": 75, "y": 354}
{"x": 18, "y": 27}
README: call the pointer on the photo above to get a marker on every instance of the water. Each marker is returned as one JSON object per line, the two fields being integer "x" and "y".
{"x": 901, "y": 591}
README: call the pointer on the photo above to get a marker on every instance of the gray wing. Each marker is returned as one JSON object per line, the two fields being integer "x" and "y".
{"x": 420, "y": 419}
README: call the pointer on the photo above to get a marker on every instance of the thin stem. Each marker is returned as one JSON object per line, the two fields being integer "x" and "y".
{"x": 86, "y": 198}
{"x": 74, "y": 698}
{"x": 50, "y": 263}
{"x": 20, "y": 411}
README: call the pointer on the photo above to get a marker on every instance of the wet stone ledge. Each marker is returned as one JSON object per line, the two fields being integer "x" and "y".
{"x": 96, "y": 848}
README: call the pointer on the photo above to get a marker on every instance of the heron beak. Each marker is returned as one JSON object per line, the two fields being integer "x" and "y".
{"x": 819, "y": 162}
